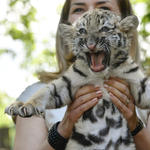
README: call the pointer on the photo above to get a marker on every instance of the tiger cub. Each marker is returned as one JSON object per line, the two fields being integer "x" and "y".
{"x": 100, "y": 40}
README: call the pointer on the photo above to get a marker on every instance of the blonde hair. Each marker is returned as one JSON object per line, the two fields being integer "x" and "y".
{"x": 64, "y": 59}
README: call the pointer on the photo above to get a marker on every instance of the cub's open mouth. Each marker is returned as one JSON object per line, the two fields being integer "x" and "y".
{"x": 97, "y": 60}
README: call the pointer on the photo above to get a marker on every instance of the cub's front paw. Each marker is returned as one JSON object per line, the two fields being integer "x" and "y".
{"x": 25, "y": 110}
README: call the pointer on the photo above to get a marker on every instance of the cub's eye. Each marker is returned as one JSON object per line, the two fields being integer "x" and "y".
{"x": 82, "y": 31}
{"x": 104, "y": 29}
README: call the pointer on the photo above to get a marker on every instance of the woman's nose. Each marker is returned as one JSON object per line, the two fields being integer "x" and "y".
{"x": 90, "y": 7}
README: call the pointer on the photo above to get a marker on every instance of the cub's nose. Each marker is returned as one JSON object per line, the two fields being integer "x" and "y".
{"x": 91, "y": 47}
{"x": 92, "y": 42}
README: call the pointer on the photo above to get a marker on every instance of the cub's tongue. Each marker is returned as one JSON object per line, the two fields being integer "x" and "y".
{"x": 96, "y": 60}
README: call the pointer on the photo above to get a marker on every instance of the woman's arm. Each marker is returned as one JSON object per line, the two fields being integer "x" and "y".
{"x": 119, "y": 93}
{"x": 148, "y": 123}
{"x": 30, "y": 133}
{"x": 142, "y": 139}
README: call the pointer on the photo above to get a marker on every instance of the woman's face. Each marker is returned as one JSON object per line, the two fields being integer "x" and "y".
{"x": 78, "y": 7}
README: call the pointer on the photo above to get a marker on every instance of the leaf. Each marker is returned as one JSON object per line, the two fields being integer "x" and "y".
{"x": 8, "y": 51}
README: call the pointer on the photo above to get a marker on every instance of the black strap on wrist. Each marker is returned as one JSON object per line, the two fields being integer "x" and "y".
{"x": 55, "y": 139}
{"x": 139, "y": 127}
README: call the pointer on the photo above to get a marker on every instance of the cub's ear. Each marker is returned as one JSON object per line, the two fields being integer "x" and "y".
{"x": 66, "y": 31}
{"x": 129, "y": 24}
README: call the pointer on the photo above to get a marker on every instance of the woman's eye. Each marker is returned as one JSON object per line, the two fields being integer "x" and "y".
{"x": 78, "y": 10}
{"x": 104, "y": 29}
{"x": 82, "y": 31}
{"x": 104, "y": 8}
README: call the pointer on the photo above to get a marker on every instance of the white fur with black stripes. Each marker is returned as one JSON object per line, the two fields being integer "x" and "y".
{"x": 102, "y": 127}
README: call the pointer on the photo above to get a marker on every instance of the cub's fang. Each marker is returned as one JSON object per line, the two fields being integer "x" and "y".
{"x": 25, "y": 111}
{"x": 11, "y": 111}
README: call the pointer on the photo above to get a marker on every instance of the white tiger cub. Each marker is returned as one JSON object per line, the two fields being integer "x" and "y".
{"x": 100, "y": 40}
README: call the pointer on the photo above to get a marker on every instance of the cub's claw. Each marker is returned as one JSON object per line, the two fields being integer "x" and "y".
{"x": 27, "y": 110}
{"x": 13, "y": 109}
{"x": 40, "y": 110}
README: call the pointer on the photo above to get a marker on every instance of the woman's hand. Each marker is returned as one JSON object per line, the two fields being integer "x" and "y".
{"x": 120, "y": 94}
{"x": 85, "y": 98}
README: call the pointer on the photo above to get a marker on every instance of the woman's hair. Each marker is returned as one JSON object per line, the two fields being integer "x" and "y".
{"x": 126, "y": 10}
{"x": 64, "y": 59}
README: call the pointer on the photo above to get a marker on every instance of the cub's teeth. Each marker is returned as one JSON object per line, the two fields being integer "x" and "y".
{"x": 93, "y": 51}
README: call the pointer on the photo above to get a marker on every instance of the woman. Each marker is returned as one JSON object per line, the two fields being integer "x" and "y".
{"x": 31, "y": 132}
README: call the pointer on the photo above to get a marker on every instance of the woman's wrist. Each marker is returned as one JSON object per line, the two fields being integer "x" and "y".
{"x": 132, "y": 122}
{"x": 138, "y": 128}
{"x": 65, "y": 129}
{"x": 55, "y": 139}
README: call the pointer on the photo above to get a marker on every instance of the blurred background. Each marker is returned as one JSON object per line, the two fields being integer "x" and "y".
{"x": 27, "y": 45}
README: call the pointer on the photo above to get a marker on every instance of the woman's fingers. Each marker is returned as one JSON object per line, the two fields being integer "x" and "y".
{"x": 122, "y": 97}
{"x": 127, "y": 111}
{"x": 78, "y": 112}
{"x": 85, "y": 98}
{"x": 118, "y": 103}
{"x": 121, "y": 81}
{"x": 120, "y": 89}
{"x": 124, "y": 88}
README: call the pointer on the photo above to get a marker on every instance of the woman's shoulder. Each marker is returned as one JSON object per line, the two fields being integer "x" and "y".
{"x": 30, "y": 90}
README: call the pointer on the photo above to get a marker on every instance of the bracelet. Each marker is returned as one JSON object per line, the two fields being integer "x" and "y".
{"x": 139, "y": 127}
{"x": 55, "y": 139}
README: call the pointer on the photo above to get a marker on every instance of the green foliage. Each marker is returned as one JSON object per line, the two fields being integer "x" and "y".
{"x": 26, "y": 36}
{"x": 25, "y": 14}
{"x": 7, "y": 51}
{"x": 59, "y": 8}
{"x": 139, "y": 1}
{"x": 146, "y": 63}
{"x": 45, "y": 59}
{"x": 144, "y": 32}
{"x": 6, "y": 121}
